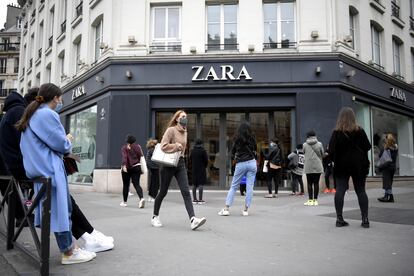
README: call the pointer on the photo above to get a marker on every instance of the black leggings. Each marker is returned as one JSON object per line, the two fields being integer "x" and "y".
{"x": 180, "y": 173}
{"x": 313, "y": 184}
{"x": 276, "y": 176}
{"x": 342, "y": 184}
{"x": 328, "y": 173}
{"x": 154, "y": 182}
{"x": 295, "y": 179}
{"x": 134, "y": 174}
{"x": 80, "y": 223}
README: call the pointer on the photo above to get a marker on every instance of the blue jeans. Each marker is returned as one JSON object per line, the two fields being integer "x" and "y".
{"x": 64, "y": 239}
{"x": 248, "y": 169}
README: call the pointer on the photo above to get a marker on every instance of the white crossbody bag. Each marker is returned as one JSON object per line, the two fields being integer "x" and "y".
{"x": 166, "y": 159}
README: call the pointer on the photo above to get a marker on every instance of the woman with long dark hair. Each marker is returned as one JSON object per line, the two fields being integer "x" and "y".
{"x": 244, "y": 148}
{"x": 348, "y": 148}
{"x": 175, "y": 140}
{"x": 153, "y": 171}
{"x": 389, "y": 171}
{"x": 43, "y": 144}
{"x": 274, "y": 173}
{"x": 131, "y": 154}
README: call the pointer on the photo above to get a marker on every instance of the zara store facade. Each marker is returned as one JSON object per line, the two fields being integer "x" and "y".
{"x": 281, "y": 97}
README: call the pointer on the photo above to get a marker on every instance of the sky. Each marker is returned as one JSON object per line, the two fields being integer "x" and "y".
{"x": 3, "y": 10}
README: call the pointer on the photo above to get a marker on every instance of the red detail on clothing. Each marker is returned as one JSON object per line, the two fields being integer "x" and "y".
{"x": 131, "y": 157}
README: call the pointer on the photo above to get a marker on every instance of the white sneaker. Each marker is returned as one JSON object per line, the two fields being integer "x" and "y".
{"x": 156, "y": 222}
{"x": 224, "y": 212}
{"x": 130, "y": 194}
{"x": 245, "y": 213}
{"x": 100, "y": 237}
{"x": 197, "y": 222}
{"x": 93, "y": 245}
{"x": 150, "y": 199}
{"x": 78, "y": 256}
{"x": 141, "y": 203}
{"x": 123, "y": 204}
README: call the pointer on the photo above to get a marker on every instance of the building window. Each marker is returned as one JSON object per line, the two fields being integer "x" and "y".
{"x": 166, "y": 29}
{"x": 40, "y": 40}
{"x": 77, "y": 47}
{"x": 412, "y": 15}
{"x": 62, "y": 66}
{"x": 63, "y": 12}
{"x": 51, "y": 25}
{"x": 16, "y": 65}
{"x": 98, "y": 39}
{"x": 83, "y": 126}
{"x": 78, "y": 8}
{"x": 412, "y": 64}
{"x": 37, "y": 83}
{"x": 376, "y": 45}
{"x": 353, "y": 13}
{"x": 222, "y": 27}
{"x": 3, "y": 65}
{"x": 49, "y": 73}
{"x": 396, "y": 53}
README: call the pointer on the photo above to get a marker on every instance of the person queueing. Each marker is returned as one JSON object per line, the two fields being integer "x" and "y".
{"x": 199, "y": 161}
{"x": 389, "y": 171}
{"x": 175, "y": 140}
{"x": 244, "y": 147}
{"x": 275, "y": 157}
{"x": 14, "y": 106}
{"x": 131, "y": 169}
{"x": 297, "y": 171}
{"x": 313, "y": 168}
{"x": 348, "y": 147}
{"x": 153, "y": 171}
{"x": 43, "y": 144}
{"x": 328, "y": 171}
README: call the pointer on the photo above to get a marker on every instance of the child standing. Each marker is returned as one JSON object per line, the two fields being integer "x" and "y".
{"x": 296, "y": 164}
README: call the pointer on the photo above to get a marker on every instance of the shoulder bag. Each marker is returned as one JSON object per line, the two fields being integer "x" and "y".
{"x": 166, "y": 159}
{"x": 385, "y": 160}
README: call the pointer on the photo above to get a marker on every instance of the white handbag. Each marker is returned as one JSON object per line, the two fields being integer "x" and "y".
{"x": 166, "y": 159}
{"x": 265, "y": 164}
{"x": 143, "y": 164}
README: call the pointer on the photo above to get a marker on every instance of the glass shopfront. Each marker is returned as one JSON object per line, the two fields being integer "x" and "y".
{"x": 82, "y": 126}
{"x": 377, "y": 123}
{"x": 217, "y": 131}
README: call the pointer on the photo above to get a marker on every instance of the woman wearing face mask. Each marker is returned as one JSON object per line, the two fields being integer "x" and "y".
{"x": 275, "y": 158}
{"x": 43, "y": 143}
{"x": 174, "y": 140}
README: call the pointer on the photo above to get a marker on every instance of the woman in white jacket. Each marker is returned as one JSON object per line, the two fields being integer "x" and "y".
{"x": 313, "y": 151}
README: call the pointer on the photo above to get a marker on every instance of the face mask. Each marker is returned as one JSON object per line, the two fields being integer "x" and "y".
{"x": 59, "y": 106}
{"x": 183, "y": 122}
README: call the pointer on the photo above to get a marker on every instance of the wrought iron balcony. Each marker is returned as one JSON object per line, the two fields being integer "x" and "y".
{"x": 157, "y": 48}
{"x": 31, "y": 63}
{"x": 6, "y": 92}
{"x": 280, "y": 45}
{"x": 222, "y": 47}
{"x": 50, "y": 41}
{"x": 39, "y": 53}
{"x": 3, "y": 70}
{"x": 63, "y": 27}
{"x": 4, "y": 47}
{"x": 395, "y": 9}
{"x": 79, "y": 9}
{"x": 16, "y": 69}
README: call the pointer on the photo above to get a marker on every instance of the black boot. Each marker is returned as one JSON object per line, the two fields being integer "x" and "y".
{"x": 365, "y": 222}
{"x": 390, "y": 198}
{"x": 384, "y": 198}
{"x": 340, "y": 222}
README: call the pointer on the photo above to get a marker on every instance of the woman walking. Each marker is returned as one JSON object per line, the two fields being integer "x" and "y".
{"x": 131, "y": 169}
{"x": 43, "y": 144}
{"x": 389, "y": 171}
{"x": 274, "y": 173}
{"x": 199, "y": 161}
{"x": 244, "y": 148}
{"x": 313, "y": 168}
{"x": 348, "y": 149}
{"x": 153, "y": 171}
{"x": 175, "y": 140}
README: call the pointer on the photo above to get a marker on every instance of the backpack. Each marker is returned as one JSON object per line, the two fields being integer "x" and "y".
{"x": 293, "y": 162}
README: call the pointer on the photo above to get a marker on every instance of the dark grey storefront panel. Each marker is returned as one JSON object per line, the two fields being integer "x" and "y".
{"x": 103, "y": 134}
{"x": 214, "y": 102}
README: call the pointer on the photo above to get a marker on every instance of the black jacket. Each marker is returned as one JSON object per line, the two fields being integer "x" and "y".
{"x": 394, "y": 154}
{"x": 151, "y": 164}
{"x": 275, "y": 155}
{"x": 199, "y": 162}
{"x": 349, "y": 152}
{"x": 14, "y": 107}
{"x": 244, "y": 151}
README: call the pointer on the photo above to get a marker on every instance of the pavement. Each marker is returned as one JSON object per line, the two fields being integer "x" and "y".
{"x": 280, "y": 236}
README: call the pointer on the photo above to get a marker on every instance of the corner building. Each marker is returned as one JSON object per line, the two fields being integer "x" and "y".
{"x": 285, "y": 66}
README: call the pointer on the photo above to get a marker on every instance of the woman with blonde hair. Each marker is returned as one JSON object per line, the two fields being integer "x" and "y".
{"x": 175, "y": 140}
{"x": 153, "y": 171}
{"x": 348, "y": 148}
{"x": 389, "y": 171}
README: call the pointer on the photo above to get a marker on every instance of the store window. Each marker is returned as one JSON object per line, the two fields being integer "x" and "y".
{"x": 82, "y": 126}
{"x": 279, "y": 24}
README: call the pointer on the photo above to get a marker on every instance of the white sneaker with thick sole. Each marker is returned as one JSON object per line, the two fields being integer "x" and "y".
{"x": 123, "y": 204}
{"x": 224, "y": 212}
{"x": 130, "y": 194}
{"x": 100, "y": 237}
{"x": 78, "y": 256}
{"x": 197, "y": 222}
{"x": 141, "y": 203}
{"x": 245, "y": 213}
{"x": 156, "y": 222}
{"x": 93, "y": 245}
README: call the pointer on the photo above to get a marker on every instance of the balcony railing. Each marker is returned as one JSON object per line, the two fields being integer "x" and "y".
{"x": 280, "y": 45}
{"x": 4, "y": 47}
{"x": 16, "y": 69}
{"x": 395, "y": 9}
{"x": 79, "y": 9}
{"x": 34, "y": 13}
{"x": 3, "y": 70}
{"x": 6, "y": 92}
{"x": 50, "y": 41}
{"x": 63, "y": 27}
{"x": 165, "y": 48}
{"x": 411, "y": 23}
{"x": 30, "y": 63}
{"x": 23, "y": 70}
{"x": 222, "y": 47}
{"x": 39, "y": 53}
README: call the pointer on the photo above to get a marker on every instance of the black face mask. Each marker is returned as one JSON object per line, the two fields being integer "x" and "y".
{"x": 183, "y": 122}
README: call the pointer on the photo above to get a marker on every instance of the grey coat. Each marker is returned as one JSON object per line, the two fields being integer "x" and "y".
{"x": 313, "y": 151}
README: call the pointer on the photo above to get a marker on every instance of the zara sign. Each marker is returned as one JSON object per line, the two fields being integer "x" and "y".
{"x": 398, "y": 94}
{"x": 78, "y": 91}
{"x": 225, "y": 73}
